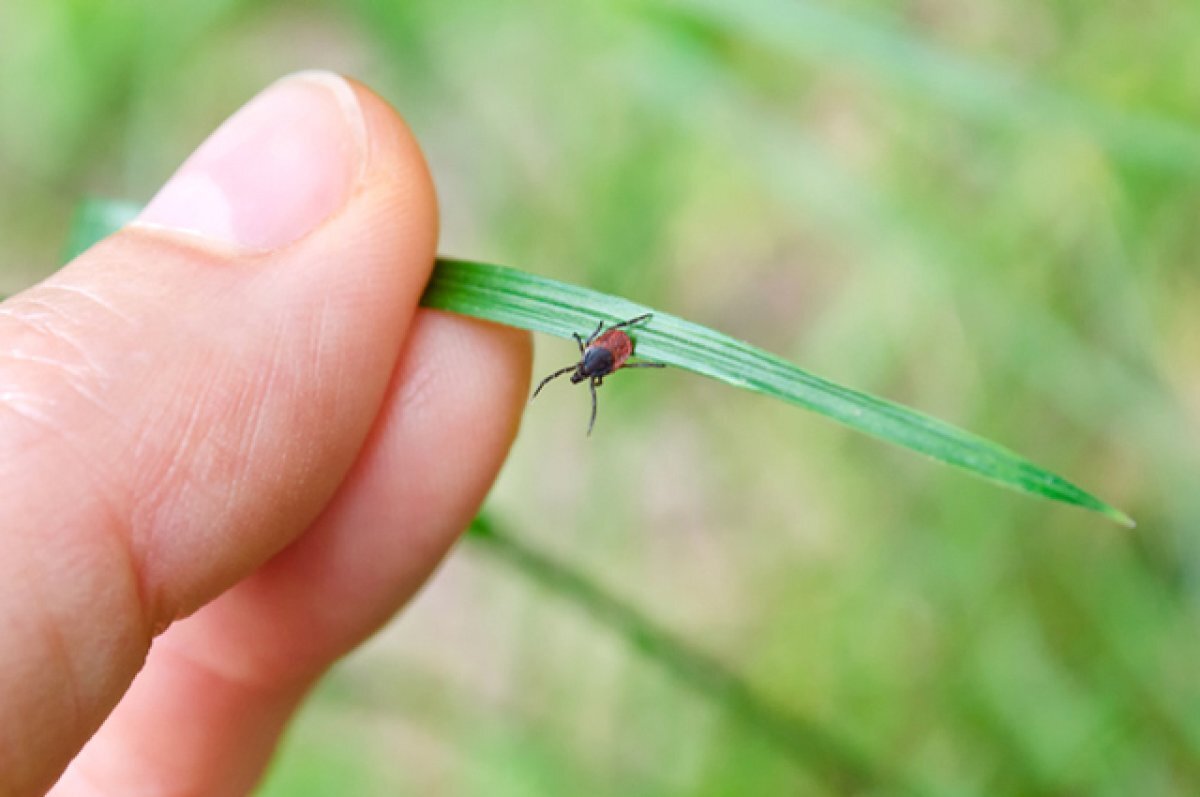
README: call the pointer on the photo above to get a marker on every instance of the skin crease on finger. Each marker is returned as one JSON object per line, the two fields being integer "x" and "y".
{"x": 155, "y": 450}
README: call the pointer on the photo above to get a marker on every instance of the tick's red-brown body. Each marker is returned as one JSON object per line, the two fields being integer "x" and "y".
{"x": 617, "y": 343}
{"x": 604, "y": 351}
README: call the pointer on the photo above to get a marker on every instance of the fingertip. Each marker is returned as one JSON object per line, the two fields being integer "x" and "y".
{"x": 485, "y": 368}
{"x": 397, "y": 165}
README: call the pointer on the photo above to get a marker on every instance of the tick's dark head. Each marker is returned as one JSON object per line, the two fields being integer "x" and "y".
{"x": 597, "y": 361}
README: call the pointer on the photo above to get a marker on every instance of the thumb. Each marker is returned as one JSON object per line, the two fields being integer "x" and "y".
{"x": 182, "y": 400}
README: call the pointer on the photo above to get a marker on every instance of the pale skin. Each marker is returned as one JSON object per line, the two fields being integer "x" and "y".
{"x": 231, "y": 448}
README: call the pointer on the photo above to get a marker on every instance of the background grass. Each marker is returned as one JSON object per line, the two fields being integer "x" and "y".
{"x": 985, "y": 209}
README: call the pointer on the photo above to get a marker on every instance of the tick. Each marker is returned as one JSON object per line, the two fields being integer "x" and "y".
{"x": 604, "y": 351}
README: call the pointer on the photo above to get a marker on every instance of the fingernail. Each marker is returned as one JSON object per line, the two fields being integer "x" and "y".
{"x": 273, "y": 171}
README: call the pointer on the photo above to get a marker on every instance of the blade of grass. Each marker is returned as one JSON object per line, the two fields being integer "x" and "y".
{"x": 515, "y": 298}
{"x": 807, "y": 742}
{"x": 95, "y": 219}
{"x": 511, "y": 297}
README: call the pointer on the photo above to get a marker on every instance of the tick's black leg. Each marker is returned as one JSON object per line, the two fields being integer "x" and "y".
{"x": 632, "y": 321}
{"x": 554, "y": 375}
{"x": 595, "y": 334}
{"x": 592, "y": 384}
{"x": 644, "y": 365}
{"x": 579, "y": 340}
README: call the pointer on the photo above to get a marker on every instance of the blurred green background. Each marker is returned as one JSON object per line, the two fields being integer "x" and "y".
{"x": 987, "y": 209}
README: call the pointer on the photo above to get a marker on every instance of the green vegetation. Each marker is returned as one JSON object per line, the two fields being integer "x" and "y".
{"x": 985, "y": 210}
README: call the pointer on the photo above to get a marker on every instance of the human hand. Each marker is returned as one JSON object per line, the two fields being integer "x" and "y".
{"x": 232, "y": 412}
